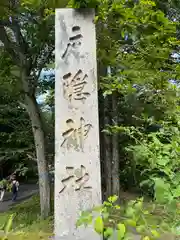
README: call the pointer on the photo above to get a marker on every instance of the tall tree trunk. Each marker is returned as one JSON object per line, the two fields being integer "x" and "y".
{"x": 115, "y": 149}
{"x": 39, "y": 140}
{"x": 102, "y": 155}
{"x": 108, "y": 147}
{"x": 105, "y": 139}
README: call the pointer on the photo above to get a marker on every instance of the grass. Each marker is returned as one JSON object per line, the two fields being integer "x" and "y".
{"x": 28, "y": 224}
{"x": 27, "y": 220}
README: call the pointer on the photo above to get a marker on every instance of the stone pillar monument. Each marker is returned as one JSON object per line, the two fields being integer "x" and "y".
{"x": 77, "y": 160}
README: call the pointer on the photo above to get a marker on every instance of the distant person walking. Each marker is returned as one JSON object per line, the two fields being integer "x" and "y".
{"x": 15, "y": 188}
{"x": 3, "y": 187}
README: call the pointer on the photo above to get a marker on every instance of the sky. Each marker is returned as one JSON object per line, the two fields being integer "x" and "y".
{"x": 45, "y": 74}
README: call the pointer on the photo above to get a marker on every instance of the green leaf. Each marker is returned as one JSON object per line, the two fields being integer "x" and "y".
{"x": 113, "y": 199}
{"x": 97, "y": 209}
{"x": 31, "y": 3}
{"x": 99, "y": 225}
{"x": 108, "y": 232}
{"x": 148, "y": 2}
{"x": 162, "y": 190}
{"x": 96, "y": 18}
{"x": 122, "y": 33}
{"x": 145, "y": 182}
{"x": 155, "y": 233}
{"x": 146, "y": 238}
{"x": 117, "y": 207}
{"x": 140, "y": 229}
{"x": 163, "y": 160}
{"x": 176, "y": 192}
{"x": 108, "y": 92}
{"x": 106, "y": 204}
{"x": 130, "y": 222}
{"x": 105, "y": 215}
{"x": 121, "y": 231}
{"x": 86, "y": 218}
{"x": 79, "y": 222}
{"x": 130, "y": 212}
{"x": 8, "y": 226}
{"x": 138, "y": 205}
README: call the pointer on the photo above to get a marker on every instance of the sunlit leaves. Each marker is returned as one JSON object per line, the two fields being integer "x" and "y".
{"x": 44, "y": 3}
{"x": 99, "y": 225}
{"x": 121, "y": 230}
{"x": 31, "y": 3}
{"x": 108, "y": 232}
{"x": 118, "y": 224}
{"x": 155, "y": 233}
{"x": 113, "y": 199}
{"x": 85, "y": 218}
{"x": 145, "y": 53}
{"x": 162, "y": 191}
{"x": 147, "y": 2}
{"x": 176, "y": 192}
{"x": 8, "y": 226}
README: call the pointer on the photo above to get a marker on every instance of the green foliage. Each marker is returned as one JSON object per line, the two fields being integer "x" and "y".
{"x": 99, "y": 225}
{"x": 137, "y": 43}
{"x": 151, "y": 40}
{"x": 49, "y": 5}
{"x": 16, "y": 138}
{"x": 17, "y": 148}
{"x": 80, "y": 4}
{"x": 156, "y": 156}
{"x": 111, "y": 220}
{"x": 5, "y": 183}
{"x": 7, "y": 227}
{"x": 23, "y": 222}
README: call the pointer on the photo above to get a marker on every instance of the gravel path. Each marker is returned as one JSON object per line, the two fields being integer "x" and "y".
{"x": 25, "y": 192}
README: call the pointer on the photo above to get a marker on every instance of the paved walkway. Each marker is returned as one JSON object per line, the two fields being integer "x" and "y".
{"x": 25, "y": 191}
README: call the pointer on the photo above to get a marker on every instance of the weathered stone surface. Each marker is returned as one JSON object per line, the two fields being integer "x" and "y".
{"x": 77, "y": 163}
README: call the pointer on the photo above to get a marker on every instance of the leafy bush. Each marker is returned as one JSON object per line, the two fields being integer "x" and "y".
{"x": 115, "y": 222}
{"x": 157, "y": 158}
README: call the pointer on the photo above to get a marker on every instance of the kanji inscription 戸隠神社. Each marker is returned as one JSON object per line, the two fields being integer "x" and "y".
{"x": 77, "y": 162}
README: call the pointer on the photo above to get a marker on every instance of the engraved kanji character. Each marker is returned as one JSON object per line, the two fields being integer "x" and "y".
{"x": 75, "y": 136}
{"x": 77, "y": 179}
{"x": 74, "y": 40}
{"x": 73, "y": 86}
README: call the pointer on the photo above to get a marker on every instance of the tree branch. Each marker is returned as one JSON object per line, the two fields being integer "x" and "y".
{"x": 18, "y": 49}
{"x": 10, "y": 47}
{"x": 19, "y": 37}
{"x": 44, "y": 61}
{"x": 22, "y": 105}
{"x": 32, "y": 158}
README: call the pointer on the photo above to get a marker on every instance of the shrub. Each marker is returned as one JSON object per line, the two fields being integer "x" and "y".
{"x": 113, "y": 221}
